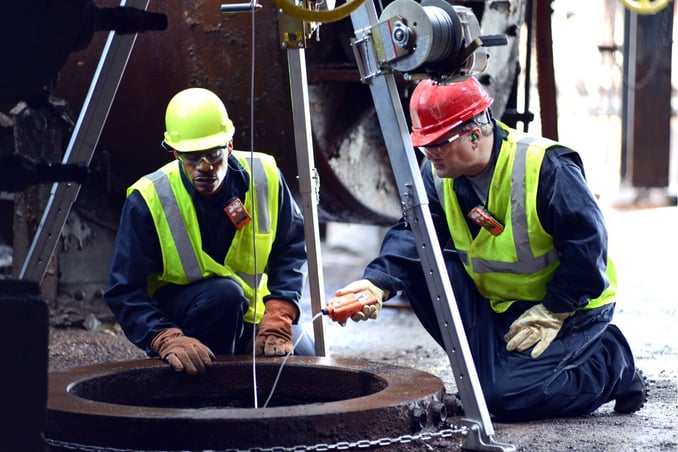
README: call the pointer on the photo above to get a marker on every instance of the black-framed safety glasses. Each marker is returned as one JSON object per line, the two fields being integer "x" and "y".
{"x": 211, "y": 156}
{"x": 435, "y": 146}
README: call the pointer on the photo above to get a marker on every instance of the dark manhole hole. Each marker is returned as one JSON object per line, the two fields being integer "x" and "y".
{"x": 142, "y": 404}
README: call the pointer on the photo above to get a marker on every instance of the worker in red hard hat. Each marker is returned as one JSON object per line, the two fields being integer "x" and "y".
{"x": 198, "y": 266}
{"x": 525, "y": 246}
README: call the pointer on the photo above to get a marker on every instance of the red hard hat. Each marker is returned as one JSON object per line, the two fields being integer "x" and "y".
{"x": 436, "y": 109}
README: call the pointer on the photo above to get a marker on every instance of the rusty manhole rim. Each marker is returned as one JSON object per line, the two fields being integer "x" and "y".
{"x": 407, "y": 393}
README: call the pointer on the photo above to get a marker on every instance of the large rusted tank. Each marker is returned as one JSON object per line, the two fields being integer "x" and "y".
{"x": 226, "y": 53}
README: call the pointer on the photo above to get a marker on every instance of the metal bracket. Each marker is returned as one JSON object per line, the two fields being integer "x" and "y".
{"x": 476, "y": 439}
{"x": 364, "y": 52}
{"x": 294, "y": 32}
{"x": 291, "y": 31}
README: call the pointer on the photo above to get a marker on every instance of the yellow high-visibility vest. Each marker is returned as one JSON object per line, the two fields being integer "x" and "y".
{"x": 518, "y": 263}
{"x": 176, "y": 223}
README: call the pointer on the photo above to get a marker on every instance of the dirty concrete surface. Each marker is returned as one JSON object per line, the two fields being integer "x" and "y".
{"x": 646, "y": 313}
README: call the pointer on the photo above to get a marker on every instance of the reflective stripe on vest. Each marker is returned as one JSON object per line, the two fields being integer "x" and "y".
{"x": 178, "y": 230}
{"x": 261, "y": 216}
{"x": 260, "y": 181}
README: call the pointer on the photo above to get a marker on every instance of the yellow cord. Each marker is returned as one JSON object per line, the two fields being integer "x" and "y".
{"x": 309, "y": 15}
{"x": 645, "y": 7}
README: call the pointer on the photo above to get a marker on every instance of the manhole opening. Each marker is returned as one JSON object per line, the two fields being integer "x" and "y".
{"x": 227, "y": 386}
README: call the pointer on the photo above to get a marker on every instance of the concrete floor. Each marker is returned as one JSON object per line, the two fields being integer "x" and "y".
{"x": 643, "y": 244}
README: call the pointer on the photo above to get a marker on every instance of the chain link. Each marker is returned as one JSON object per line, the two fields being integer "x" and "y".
{"x": 342, "y": 445}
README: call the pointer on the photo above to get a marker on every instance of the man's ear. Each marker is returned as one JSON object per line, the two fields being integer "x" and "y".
{"x": 175, "y": 153}
{"x": 230, "y": 147}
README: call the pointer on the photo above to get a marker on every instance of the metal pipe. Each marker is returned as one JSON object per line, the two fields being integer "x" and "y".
{"x": 232, "y": 8}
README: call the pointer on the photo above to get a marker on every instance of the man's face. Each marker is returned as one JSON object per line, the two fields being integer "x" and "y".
{"x": 206, "y": 169}
{"x": 456, "y": 154}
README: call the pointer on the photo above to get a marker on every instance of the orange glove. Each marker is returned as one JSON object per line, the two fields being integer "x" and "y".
{"x": 538, "y": 326}
{"x": 182, "y": 352}
{"x": 274, "y": 333}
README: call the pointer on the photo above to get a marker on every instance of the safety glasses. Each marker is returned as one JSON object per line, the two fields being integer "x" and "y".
{"x": 435, "y": 146}
{"x": 211, "y": 156}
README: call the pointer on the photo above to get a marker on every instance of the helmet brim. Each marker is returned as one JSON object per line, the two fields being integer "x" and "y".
{"x": 426, "y": 139}
{"x": 200, "y": 144}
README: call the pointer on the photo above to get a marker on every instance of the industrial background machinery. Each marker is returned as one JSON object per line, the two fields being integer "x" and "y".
{"x": 202, "y": 46}
{"x": 50, "y": 67}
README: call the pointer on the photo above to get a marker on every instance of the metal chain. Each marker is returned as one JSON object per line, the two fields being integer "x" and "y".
{"x": 362, "y": 444}
{"x": 342, "y": 445}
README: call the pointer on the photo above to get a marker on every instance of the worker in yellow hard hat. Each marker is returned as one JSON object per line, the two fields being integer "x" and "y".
{"x": 525, "y": 246}
{"x": 210, "y": 249}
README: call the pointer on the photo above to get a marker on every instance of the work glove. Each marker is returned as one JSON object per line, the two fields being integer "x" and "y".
{"x": 274, "y": 333}
{"x": 370, "y": 311}
{"x": 182, "y": 352}
{"x": 538, "y": 326}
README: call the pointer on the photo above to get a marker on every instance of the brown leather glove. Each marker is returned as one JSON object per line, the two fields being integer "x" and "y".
{"x": 182, "y": 352}
{"x": 274, "y": 333}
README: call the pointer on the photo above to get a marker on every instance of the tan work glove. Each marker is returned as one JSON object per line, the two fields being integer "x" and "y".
{"x": 538, "y": 326}
{"x": 182, "y": 352}
{"x": 370, "y": 311}
{"x": 274, "y": 333}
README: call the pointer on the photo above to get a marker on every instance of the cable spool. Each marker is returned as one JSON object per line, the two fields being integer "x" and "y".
{"x": 435, "y": 27}
{"x": 442, "y": 38}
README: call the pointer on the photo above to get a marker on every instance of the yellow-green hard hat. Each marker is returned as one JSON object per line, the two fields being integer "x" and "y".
{"x": 196, "y": 120}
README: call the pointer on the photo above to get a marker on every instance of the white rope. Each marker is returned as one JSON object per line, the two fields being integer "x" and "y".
{"x": 275, "y": 383}
{"x": 254, "y": 219}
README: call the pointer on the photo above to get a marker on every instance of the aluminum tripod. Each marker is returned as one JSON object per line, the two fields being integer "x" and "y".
{"x": 81, "y": 147}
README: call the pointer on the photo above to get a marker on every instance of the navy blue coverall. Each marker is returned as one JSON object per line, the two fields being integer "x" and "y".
{"x": 590, "y": 361}
{"x": 210, "y": 310}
